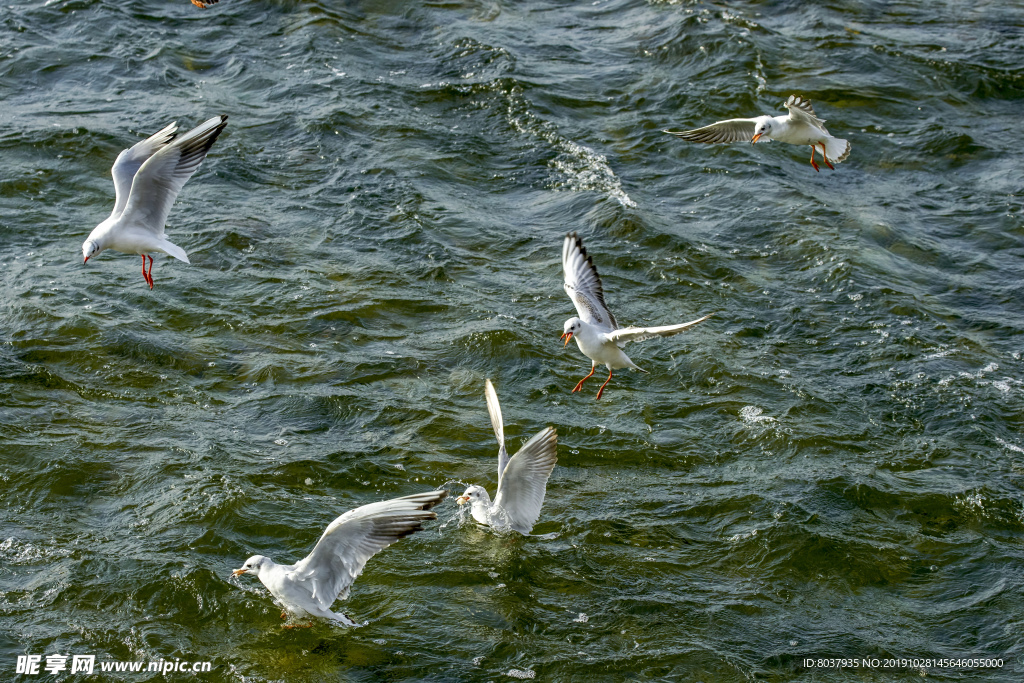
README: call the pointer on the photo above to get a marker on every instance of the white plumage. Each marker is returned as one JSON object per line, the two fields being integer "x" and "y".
{"x": 147, "y": 180}
{"x": 522, "y": 479}
{"x": 597, "y": 334}
{"x": 800, "y": 127}
{"x": 309, "y": 587}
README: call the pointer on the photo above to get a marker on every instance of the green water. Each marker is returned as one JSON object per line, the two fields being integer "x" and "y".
{"x": 830, "y": 467}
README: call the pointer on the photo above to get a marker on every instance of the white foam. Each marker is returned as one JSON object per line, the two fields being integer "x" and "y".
{"x": 752, "y": 414}
{"x": 1011, "y": 446}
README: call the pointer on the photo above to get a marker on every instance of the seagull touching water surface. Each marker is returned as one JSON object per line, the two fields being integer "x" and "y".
{"x": 800, "y": 127}
{"x": 309, "y": 587}
{"x": 522, "y": 479}
{"x": 147, "y": 180}
{"x": 597, "y": 334}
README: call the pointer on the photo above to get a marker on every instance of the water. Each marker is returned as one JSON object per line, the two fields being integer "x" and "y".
{"x": 832, "y": 466}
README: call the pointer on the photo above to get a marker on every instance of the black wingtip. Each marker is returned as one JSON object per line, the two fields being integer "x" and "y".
{"x": 583, "y": 252}
{"x": 429, "y": 504}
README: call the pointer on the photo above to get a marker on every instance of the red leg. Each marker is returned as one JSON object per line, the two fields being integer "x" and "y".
{"x": 580, "y": 385}
{"x": 144, "y": 277}
{"x": 827, "y": 162}
{"x": 601, "y": 390}
{"x": 812, "y": 159}
{"x": 291, "y": 626}
{"x": 149, "y": 276}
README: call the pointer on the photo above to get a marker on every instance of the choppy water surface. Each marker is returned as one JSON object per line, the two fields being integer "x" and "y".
{"x": 832, "y": 466}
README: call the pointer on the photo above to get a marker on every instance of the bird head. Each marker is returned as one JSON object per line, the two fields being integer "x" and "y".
{"x": 89, "y": 249}
{"x": 572, "y": 326}
{"x": 252, "y": 566}
{"x": 763, "y": 128}
{"x": 472, "y": 495}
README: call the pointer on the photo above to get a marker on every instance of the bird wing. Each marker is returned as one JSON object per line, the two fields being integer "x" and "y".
{"x": 494, "y": 409}
{"x": 801, "y": 110}
{"x": 355, "y": 537}
{"x": 635, "y": 334}
{"x": 160, "y": 178}
{"x": 583, "y": 284}
{"x": 128, "y": 162}
{"x": 521, "y": 490}
{"x": 730, "y": 130}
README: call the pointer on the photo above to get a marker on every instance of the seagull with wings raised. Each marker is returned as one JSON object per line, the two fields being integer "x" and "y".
{"x": 147, "y": 180}
{"x": 522, "y": 479}
{"x": 597, "y": 334}
{"x": 800, "y": 127}
{"x": 309, "y": 587}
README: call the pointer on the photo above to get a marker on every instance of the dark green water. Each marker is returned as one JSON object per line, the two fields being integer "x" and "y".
{"x": 832, "y": 466}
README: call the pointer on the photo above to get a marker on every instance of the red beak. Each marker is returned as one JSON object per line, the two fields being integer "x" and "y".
{"x": 566, "y": 336}
{"x": 86, "y": 260}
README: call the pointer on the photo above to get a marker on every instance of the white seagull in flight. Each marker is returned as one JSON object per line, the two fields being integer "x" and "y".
{"x": 597, "y": 334}
{"x": 147, "y": 180}
{"x": 522, "y": 479}
{"x": 800, "y": 127}
{"x": 309, "y": 587}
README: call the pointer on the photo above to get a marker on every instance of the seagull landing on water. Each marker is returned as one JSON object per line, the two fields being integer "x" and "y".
{"x": 147, "y": 180}
{"x": 309, "y": 587}
{"x": 522, "y": 479}
{"x": 800, "y": 127}
{"x": 597, "y": 334}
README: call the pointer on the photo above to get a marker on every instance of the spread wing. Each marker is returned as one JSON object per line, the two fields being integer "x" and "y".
{"x": 494, "y": 409}
{"x": 730, "y": 130}
{"x": 521, "y": 489}
{"x": 130, "y": 160}
{"x": 583, "y": 284}
{"x": 635, "y": 334}
{"x": 356, "y": 536}
{"x": 801, "y": 110}
{"x": 160, "y": 178}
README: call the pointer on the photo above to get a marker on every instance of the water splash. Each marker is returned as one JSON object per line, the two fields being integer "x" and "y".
{"x": 752, "y": 415}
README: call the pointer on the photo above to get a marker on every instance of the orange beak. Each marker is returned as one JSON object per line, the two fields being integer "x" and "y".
{"x": 566, "y": 336}
{"x": 756, "y": 138}
{"x": 462, "y": 500}
{"x": 239, "y": 572}
{"x": 86, "y": 260}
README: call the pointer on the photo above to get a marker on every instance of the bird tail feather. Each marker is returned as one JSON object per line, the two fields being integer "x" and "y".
{"x": 837, "y": 149}
{"x": 174, "y": 250}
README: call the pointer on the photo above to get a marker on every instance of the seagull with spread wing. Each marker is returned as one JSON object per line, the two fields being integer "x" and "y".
{"x": 522, "y": 479}
{"x": 309, "y": 587}
{"x": 801, "y": 127}
{"x": 147, "y": 180}
{"x": 597, "y": 334}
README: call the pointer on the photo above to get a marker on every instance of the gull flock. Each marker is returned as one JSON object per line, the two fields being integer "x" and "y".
{"x": 148, "y": 178}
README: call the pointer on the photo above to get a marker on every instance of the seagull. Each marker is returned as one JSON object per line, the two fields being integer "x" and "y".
{"x": 801, "y": 127}
{"x": 597, "y": 334}
{"x": 309, "y": 587}
{"x": 147, "y": 180}
{"x": 522, "y": 479}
